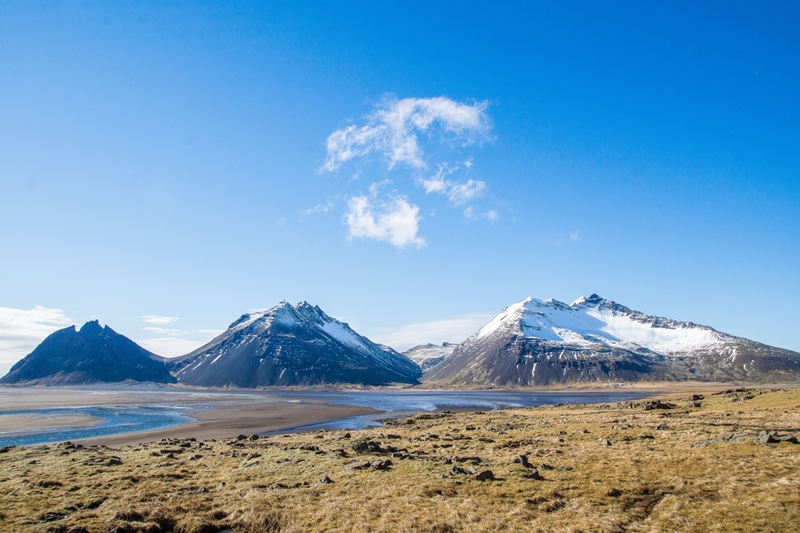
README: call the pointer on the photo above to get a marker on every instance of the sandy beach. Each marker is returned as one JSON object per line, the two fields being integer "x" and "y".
{"x": 26, "y": 422}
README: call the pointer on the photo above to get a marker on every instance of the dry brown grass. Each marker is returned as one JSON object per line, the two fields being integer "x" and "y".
{"x": 651, "y": 478}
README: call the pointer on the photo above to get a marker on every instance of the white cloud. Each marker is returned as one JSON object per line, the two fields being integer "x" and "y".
{"x": 457, "y": 192}
{"x": 155, "y": 319}
{"x": 22, "y": 330}
{"x": 437, "y": 331}
{"x": 574, "y": 236}
{"x": 392, "y": 128}
{"x": 170, "y": 346}
{"x": 395, "y": 221}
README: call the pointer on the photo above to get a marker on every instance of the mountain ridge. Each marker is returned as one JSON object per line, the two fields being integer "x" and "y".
{"x": 541, "y": 342}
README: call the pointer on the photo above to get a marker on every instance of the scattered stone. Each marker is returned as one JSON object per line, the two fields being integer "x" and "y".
{"x": 381, "y": 464}
{"x": 325, "y": 480}
{"x": 545, "y": 466}
{"x": 366, "y": 446}
{"x": 657, "y": 404}
{"x": 697, "y": 397}
{"x": 195, "y": 457}
{"x": 457, "y": 470}
{"x": 241, "y": 437}
{"x": 114, "y": 461}
{"x": 254, "y": 437}
{"x": 486, "y": 475}
{"x": 201, "y": 490}
{"x": 358, "y": 465}
{"x": 565, "y": 468}
{"x": 523, "y": 460}
{"x": 614, "y": 493}
{"x": 220, "y": 485}
{"x": 604, "y": 442}
{"x": 6, "y": 449}
{"x": 533, "y": 474}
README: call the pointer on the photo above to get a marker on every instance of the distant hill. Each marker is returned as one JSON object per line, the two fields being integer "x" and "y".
{"x": 536, "y": 342}
{"x": 288, "y": 346}
{"x": 427, "y": 356}
{"x": 91, "y": 355}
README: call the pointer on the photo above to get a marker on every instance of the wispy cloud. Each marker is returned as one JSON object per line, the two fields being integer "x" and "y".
{"x": 574, "y": 236}
{"x": 436, "y": 331}
{"x": 392, "y": 128}
{"x": 174, "y": 342}
{"x": 155, "y": 319}
{"x": 457, "y": 192}
{"x": 319, "y": 209}
{"x": 21, "y": 330}
{"x": 395, "y": 220}
{"x": 470, "y": 213}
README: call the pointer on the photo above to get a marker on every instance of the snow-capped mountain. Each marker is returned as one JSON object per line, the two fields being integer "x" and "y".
{"x": 288, "y": 345}
{"x": 536, "y": 342}
{"x": 429, "y": 355}
{"x": 93, "y": 354}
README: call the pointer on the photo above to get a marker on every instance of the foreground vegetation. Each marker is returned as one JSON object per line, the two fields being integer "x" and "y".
{"x": 723, "y": 462}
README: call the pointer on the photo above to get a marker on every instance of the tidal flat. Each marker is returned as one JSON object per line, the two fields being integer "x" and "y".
{"x": 715, "y": 461}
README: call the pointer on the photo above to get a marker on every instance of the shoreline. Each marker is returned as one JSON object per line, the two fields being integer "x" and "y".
{"x": 223, "y": 413}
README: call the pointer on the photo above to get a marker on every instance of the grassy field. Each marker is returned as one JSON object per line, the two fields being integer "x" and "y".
{"x": 685, "y": 465}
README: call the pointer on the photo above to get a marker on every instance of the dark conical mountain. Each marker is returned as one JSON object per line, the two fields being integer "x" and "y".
{"x": 288, "y": 345}
{"x": 92, "y": 354}
{"x": 535, "y": 342}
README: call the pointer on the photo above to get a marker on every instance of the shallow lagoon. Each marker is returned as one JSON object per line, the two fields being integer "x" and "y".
{"x": 133, "y": 417}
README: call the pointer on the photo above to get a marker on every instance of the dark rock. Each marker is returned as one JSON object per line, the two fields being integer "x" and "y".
{"x": 114, "y": 461}
{"x": 5, "y": 449}
{"x": 486, "y": 475}
{"x": 657, "y": 404}
{"x": 381, "y": 464}
{"x": 366, "y": 446}
{"x": 254, "y": 437}
{"x": 614, "y": 493}
{"x": 457, "y": 470}
{"x": 604, "y": 442}
{"x": 533, "y": 474}
{"x": 522, "y": 460}
{"x": 358, "y": 465}
{"x": 241, "y": 437}
{"x": 545, "y": 466}
{"x": 325, "y": 480}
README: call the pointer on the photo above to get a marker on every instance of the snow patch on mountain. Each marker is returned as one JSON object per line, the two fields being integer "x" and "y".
{"x": 429, "y": 355}
{"x": 594, "y": 320}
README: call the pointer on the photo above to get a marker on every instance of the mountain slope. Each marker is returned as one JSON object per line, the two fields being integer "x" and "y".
{"x": 289, "y": 345}
{"x": 535, "y": 342}
{"x": 429, "y": 355}
{"x": 92, "y": 354}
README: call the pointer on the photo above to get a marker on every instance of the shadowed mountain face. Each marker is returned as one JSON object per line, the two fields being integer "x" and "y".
{"x": 93, "y": 354}
{"x": 537, "y": 342}
{"x": 286, "y": 346}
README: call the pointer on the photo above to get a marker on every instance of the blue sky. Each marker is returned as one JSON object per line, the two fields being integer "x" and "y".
{"x": 411, "y": 168}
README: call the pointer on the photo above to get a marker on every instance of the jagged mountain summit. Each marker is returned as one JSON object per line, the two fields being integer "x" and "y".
{"x": 536, "y": 342}
{"x": 429, "y": 355}
{"x": 90, "y": 355}
{"x": 292, "y": 345}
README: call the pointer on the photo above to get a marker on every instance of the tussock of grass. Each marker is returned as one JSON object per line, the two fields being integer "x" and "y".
{"x": 665, "y": 470}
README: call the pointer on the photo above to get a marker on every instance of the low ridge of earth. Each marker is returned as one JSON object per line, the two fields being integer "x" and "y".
{"x": 544, "y": 342}
{"x": 726, "y": 461}
{"x": 93, "y": 354}
{"x": 292, "y": 345}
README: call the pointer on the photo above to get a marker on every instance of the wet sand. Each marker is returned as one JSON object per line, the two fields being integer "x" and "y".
{"x": 217, "y": 413}
{"x": 16, "y": 423}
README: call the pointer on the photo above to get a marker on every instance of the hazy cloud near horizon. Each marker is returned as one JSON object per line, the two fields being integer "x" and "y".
{"x": 21, "y": 330}
{"x": 453, "y": 330}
